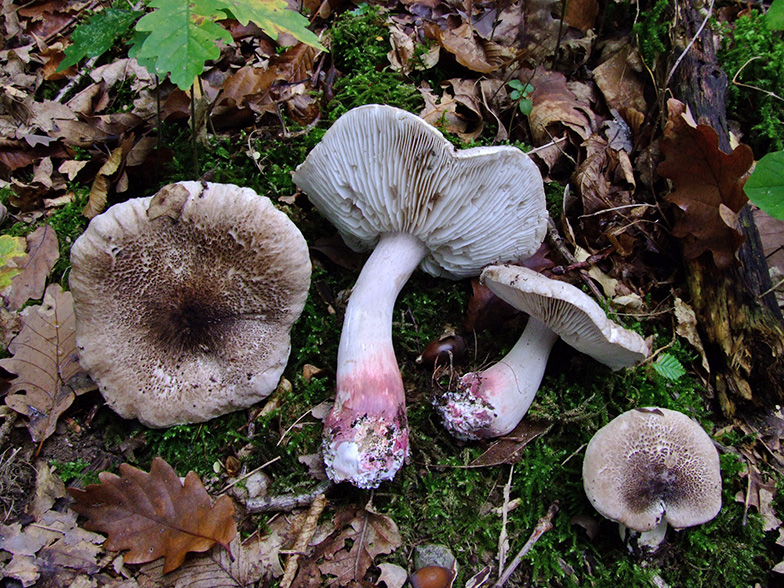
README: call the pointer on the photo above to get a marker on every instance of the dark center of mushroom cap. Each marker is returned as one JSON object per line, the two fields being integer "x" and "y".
{"x": 191, "y": 321}
{"x": 653, "y": 482}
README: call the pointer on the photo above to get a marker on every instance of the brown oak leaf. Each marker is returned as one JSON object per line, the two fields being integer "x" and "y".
{"x": 360, "y": 535}
{"x": 155, "y": 515}
{"x": 707, "y": 187}
{"x": 46, "y": 363}
{"x": 29, "y": 282}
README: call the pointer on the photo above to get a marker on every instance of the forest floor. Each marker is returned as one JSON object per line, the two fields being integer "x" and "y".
{"x": 585, "y": 88}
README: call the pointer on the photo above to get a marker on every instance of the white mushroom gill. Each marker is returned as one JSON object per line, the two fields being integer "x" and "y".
{"x": 388, "y": 180}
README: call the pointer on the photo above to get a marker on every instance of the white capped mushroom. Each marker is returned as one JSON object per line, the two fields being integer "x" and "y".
{"x": 651, "y": 467}
{"x": 490, "y": 403}
{"x": 184, "y": 301}
{"x": 392, "y": 183}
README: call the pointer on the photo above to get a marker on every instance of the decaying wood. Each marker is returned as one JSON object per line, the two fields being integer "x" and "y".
{"x": 742, "y": 329}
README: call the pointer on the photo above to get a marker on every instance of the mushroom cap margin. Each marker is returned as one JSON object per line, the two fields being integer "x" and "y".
{"x": 567, "y": 311}
{"x": 653, "y": 463}
{"x": 231, "y": 267}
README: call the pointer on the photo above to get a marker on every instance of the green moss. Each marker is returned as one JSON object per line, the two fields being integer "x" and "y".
{"x": 74, "y": 473}
{"x": 195, "y": 447}
{"x": 652, "y": 30}
{"x": 69, "y": 223}
{"x": 756, "y": 56}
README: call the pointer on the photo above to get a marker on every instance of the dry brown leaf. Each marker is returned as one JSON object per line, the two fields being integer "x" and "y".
{"x": 707, "y": 187}
{"x": 554, "y": 107}
{"x": 42, "y": 253}
{"x": 509, "y": 448}
{"x": 457, "y": 112}
{"x": 45, "y": 361}
{"x": 100, "y": 189}
{"x": 52, "y": 549}
{"x": 468, "y": 48}
{"x": 359, "y": 536}
{"x": 154, "y": 515}
{"x": 256, "y": 559}
{"x": 618, "y": 79}
{"x": 581, "y": 14}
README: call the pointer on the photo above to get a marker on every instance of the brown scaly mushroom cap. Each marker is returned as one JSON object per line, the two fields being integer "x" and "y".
{"x": 184, "y": 301}
{"x": 653, "y": 464}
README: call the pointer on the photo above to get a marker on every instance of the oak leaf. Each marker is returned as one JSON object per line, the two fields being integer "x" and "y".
{"x": 45, "y": 361}
{"x": 707, "y": 187}
{"x": 29, "y": 279}
{"x": 362, "y": 535}
{"x": 154, "y": 515}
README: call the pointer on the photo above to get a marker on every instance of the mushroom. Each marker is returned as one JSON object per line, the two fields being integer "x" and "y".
{"x": 184, "y": 301}
{"x": 651, "y": 467}
{"x": 392, "y": 183}
{"x": 490, "y": 403}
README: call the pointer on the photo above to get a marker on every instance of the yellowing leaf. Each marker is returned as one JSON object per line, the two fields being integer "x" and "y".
{"x": 45, "y": 359}
{"x": 11, "y": 248}
{"x": 154, "y": 515}
{"x": 100, "y": 187}
{"x": 274, "y": 17}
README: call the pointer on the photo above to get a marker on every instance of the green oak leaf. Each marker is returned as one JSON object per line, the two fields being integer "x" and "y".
{"x": 182, "y": 37}
{"x": 274, "y": 18}
{"x": 765, "y": 186}
{"x": 96, "y": 36}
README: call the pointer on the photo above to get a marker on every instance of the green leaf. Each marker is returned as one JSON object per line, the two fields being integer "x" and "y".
{"x": 774, "y": 17}
{"x": 183, "y": 36}
{"x": 669, "y": 367}
{"x": 10, "y": 248}
{"x": 526, "y": 106}
{"x": 98, "y": 34}
{"x": 274, "y": 18}
{"x": 765, "y": 186}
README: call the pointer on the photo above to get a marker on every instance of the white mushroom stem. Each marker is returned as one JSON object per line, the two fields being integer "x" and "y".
{"x": 490, "y": 403}
{"x": 366, "y": 434}
{"x": 644, "y": 542}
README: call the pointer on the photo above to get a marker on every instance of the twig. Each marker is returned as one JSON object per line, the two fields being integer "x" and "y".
{"x": 84, "y": 72}
{"x": 542, "y": 526}
{"x": 503, "y": 537}
{"x": 303, "y": 539}
{"x": 558, "y": 242}
{"x": 286, "y": 502}
{"x": 248, "y": 475}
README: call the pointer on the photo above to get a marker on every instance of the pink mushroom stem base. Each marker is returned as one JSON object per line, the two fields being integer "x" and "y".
{"x": 366, "y": 433}
{"x": 492, "y": 402}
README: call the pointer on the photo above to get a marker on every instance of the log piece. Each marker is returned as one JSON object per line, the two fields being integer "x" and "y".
{"x": 742, "y": 330}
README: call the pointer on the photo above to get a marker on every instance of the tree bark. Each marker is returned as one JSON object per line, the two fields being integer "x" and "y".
{"x": 742, "y": 330}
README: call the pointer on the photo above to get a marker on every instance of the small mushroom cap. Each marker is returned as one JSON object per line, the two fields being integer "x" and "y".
{"x": 567, "y": 311}
{"x": 381, "y": 169}
{"x": 184, "y": 301}
{"x": 653, "y": 463}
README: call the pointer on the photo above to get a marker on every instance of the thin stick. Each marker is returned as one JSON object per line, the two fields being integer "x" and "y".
{"x": 248, "y": 475}
{"x": 286, "y": 502}
{"x": 544, "y": 525}
{"x": 503, "y": 537}
{"x": 303, "y": 539}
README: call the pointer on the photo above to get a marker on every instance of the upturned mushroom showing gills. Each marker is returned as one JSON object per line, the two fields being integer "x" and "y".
{"x": 391, "y": 182}
{"x": 650, "y": 467}
{"x": 490, "y": 403}
{"x": 184, "y": 301}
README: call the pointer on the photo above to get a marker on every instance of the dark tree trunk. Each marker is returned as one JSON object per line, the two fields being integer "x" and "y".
{"x": 741, "y": 330}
